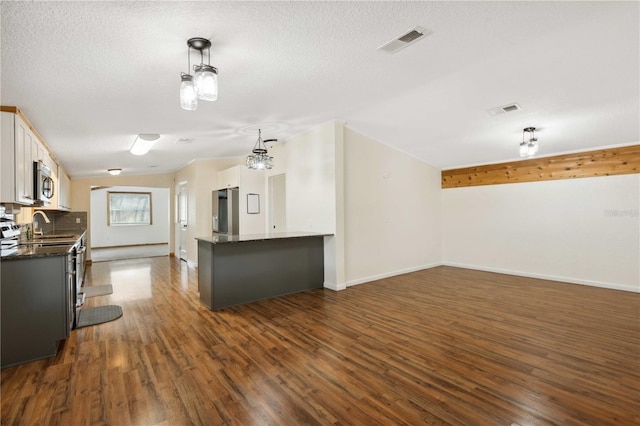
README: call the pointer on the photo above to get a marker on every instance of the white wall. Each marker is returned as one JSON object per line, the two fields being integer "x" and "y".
{"x": 103, "y": 235}
{"x": 251, "y": 182}
{"x": 392, "y": 211}
{"x": 308, "y": 161}
{"x": 582, "y": 231}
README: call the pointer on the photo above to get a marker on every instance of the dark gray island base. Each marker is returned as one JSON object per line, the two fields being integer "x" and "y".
{"x": 238, "y": 269}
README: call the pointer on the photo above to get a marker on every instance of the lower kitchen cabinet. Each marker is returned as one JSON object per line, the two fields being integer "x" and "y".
{"x": 37, "y": 307}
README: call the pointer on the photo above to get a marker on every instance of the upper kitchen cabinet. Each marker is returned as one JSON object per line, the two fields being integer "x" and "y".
{"x": 20, "y": 148}
{"x": 229, "y": 178}
{"x": 64, "y": 190}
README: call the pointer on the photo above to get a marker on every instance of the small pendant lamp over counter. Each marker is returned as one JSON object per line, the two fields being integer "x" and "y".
{"x": 259, "y": 158}
{"x": 203, "y": 85}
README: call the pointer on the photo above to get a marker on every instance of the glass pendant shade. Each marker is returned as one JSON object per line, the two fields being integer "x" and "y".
{"x": 529, "y": 148}
{"x": 524, "y": 149}
{"x": 188, "y": 95}
{"x": 206, "y": 82}
{"x": 259, "y": 161}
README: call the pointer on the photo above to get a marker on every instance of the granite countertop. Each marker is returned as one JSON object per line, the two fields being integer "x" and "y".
{"x": 32, "y": 250}
{"x": 225, "y": 239}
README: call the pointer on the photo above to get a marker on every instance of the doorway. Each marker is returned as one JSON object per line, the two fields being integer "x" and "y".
{"x": 181, "y": 219}
{"x": 277, "y": 203}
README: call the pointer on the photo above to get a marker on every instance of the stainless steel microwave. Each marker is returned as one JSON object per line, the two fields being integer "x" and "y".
{"x": 43, "y": 184}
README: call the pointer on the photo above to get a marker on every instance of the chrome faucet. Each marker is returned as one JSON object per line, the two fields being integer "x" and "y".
{"x": 33, "y": 221}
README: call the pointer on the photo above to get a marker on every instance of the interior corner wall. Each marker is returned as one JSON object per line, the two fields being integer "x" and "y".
{"x": 308, "y": 162}
{"x": 392, "y": 211}
{"x": 583, "y": 231}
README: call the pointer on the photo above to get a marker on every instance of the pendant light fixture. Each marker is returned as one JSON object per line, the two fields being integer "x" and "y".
{"x": 203, "y": 85}
{"x": 529, "y": 148}
{"x": 259, "y": 159}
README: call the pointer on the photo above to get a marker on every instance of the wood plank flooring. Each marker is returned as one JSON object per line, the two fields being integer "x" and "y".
{"x": 440, "y": 346}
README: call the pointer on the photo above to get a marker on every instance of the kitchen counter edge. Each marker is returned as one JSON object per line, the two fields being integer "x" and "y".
{"x": 29, "y": 251}
{"x": 229, "y": 239}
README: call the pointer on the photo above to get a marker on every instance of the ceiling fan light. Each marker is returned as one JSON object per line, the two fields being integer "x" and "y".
{"x": 188, "y": 95}
{"x": 206, "y": 82}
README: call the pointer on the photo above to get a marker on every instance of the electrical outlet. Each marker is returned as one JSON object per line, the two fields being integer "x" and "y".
{"x": 77, "y": 220}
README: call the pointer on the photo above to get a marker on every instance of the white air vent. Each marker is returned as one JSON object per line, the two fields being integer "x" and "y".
{"x": 183, "y": 141}
{"x": 405, "y": 39}
{"x": 504, "y": 108}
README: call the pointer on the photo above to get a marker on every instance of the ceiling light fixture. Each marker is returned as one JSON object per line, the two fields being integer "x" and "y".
{"x": 114, "y": 172}
{"x": 203, "y": 85}
{"x": 143, "y": 143}
{"x": 259, "y": 159}
{"x": 529, "y": 148}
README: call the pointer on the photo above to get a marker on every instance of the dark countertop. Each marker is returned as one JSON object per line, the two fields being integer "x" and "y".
{"x": 32, "y": 250}
{"x": 225, "y": 239}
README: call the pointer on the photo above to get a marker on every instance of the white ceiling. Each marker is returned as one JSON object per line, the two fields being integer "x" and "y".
{"x": 92, "y": 75}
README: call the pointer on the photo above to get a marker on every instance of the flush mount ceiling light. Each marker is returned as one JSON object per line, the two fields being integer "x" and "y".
{"x": 203, "y": 85}
{"x": 143, "y": 144}
{"x": 529, "y": 148}
{"x": 259, "y": 158}
{"x": 114, "y": 172}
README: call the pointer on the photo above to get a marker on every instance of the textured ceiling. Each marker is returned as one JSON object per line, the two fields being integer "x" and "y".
{"x": 92, "y": 75}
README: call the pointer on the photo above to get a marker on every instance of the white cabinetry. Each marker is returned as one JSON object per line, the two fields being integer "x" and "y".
{"x": 229, "y": 178}
{"x": 20, "y": 147}
{"x": 64, "y": 190}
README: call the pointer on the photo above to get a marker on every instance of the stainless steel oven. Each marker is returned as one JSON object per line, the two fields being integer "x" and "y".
{"x": 43, "y": 185}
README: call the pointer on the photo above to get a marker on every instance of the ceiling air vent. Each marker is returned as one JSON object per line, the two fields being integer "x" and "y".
{"x": 404, "y": 40}
{"x": 504, "y": 108}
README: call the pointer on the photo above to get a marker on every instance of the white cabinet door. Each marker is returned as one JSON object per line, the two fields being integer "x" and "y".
{"x": 229, "y": 178}
{"x": 25, "y": 142}
{"x": 64, "y": 190}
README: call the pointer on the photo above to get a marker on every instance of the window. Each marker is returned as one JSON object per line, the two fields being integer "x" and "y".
{"x": 129, "y": 208}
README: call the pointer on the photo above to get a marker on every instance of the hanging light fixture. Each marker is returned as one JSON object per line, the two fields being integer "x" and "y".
{"x": 143, "y": 143}
{"x": 259, "y": 159}
{"x": 203, "y": 85}
{"x": 529, "y": 148}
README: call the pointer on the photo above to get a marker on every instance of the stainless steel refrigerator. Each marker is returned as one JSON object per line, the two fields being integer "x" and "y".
{"x": 225, "y": 207}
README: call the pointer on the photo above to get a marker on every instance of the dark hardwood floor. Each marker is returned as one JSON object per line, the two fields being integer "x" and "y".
{"x": 440, "y": 346}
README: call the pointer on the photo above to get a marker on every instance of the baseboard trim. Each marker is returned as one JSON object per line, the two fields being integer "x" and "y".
{"x": 129, "y": 245}
{"x": 545, "y": 277}
{"x": 392, "y": 274}
{"x": 334, "y": 286}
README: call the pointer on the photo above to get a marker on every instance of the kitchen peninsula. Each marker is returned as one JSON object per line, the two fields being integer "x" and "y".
{"x": 237, "y": 269}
